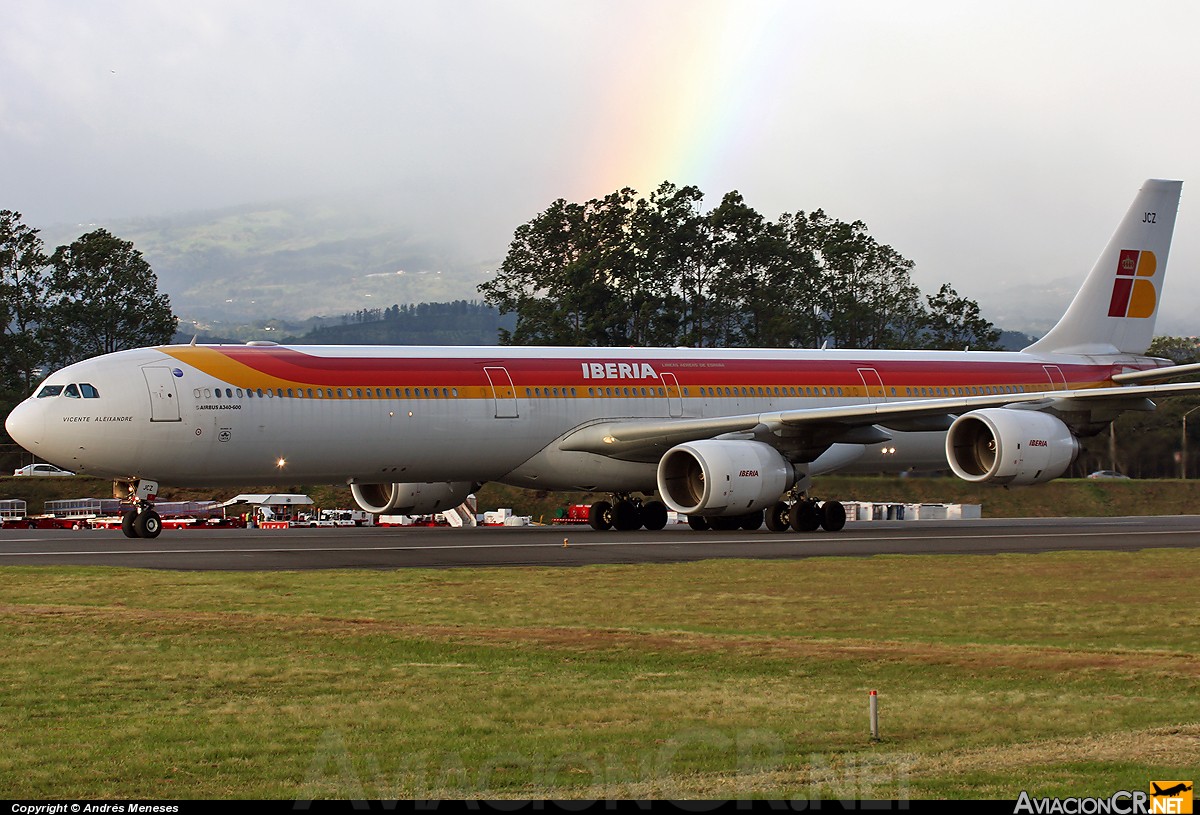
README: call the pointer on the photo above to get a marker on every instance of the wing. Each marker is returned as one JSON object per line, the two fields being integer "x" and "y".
{"x": 804, "y": 434}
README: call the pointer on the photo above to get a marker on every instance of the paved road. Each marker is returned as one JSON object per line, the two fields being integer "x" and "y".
{"x": 253, "y": 549}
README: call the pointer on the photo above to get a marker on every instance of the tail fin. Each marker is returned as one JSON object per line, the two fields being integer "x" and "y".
{"x": 1114, "y": 311}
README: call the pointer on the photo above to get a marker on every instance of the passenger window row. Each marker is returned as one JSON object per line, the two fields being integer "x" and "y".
{"x": 973, "y": 390}
{"x": 452, "y": 393}
{"x": 325, "y": 393}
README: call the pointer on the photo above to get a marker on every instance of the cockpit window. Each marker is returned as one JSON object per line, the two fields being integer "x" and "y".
{"x": 50, "y": 390}
{"x": 88, "y": 391}
{"x": 72, "y": 392}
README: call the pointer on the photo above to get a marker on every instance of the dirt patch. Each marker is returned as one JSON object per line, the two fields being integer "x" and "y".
{"x": 1164, "y": 746}
{"x": 971, "y": 656}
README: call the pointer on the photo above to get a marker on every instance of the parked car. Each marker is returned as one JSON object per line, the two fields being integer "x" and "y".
{"x": 41, "y": 469}
{"x": 1107, "y": 474}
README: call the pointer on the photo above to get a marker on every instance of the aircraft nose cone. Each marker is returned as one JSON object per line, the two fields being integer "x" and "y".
{"x": 26, "y": 425}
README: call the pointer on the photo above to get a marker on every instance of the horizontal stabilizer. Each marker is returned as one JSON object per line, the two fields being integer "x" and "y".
{"x": 1156, "y": 374}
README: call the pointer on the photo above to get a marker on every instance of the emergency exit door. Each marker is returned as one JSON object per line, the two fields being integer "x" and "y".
{"x": 873, "y": 384}
{"x": 503, "y": 392}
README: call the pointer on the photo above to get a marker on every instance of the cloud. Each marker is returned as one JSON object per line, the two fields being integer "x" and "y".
{"x": 985, "y": 143}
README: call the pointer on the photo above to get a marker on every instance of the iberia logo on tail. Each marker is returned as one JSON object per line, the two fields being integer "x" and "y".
{"x": 1133, "y": 295}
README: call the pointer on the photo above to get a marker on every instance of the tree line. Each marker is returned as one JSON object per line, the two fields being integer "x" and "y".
{"x": 90, "y": 297}
{"x": 659, "y": 271}
{"x": 417, "y": 312}
{"x": 459, "y": 322}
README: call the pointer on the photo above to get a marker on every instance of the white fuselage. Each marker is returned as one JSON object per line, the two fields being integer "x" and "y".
{"x": 212, "y": 415}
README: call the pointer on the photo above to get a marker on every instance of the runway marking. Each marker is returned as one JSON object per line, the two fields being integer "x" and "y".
{"x": 579, "y": 545}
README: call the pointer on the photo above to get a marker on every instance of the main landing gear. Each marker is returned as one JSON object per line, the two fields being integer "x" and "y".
{"x": 626, "y": 514}
{"x": 804, "y": 515}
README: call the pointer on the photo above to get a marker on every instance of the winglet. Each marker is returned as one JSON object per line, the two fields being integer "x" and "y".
{"x": 1114, "y": 311}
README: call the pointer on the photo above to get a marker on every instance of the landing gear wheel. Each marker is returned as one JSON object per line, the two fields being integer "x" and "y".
{"x": 600, "y": 516}
{"x": 627, "y": 516}
{"x": 147, "y": 524}
{"x": 777, "y": 518}
{"x": 654, "y": 515}
{"x": 753, "y": 521}
{"x": 699, "y": 523}
{"x": 805, "y": 516}
{"x": 726, "y": 523}
{"x": 833, "y": 516}
{"x": 127, "y": 525}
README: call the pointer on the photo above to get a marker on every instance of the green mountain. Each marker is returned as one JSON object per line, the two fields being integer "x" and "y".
{"x": 292, "y": 261}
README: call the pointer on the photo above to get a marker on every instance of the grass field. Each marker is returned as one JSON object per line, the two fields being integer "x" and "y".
{"x": 1060, "y": 674}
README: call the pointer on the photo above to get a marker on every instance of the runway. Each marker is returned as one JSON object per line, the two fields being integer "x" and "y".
{"x": 394, "y": 548}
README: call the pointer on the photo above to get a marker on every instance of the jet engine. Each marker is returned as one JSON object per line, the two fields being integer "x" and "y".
{"x": 1004, "y": 446}
{"x": 410, "y": 499}
{"x": 723, "y": 477}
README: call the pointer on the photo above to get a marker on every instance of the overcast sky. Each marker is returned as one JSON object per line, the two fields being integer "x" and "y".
{"x": 996, "y": 145}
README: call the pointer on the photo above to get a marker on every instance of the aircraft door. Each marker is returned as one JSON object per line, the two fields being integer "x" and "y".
{"x": 503, "y": 392}
{"x": 674, "y": 395}
{"x": 873, "y": 384}
{"x": 164, "y": 401}
{"x": 1055, "y": 375}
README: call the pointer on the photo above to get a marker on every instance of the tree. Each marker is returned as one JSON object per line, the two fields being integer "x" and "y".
{"x": 534, "y": 281}
{"x": 1180, "y": 350}
{"x": 658, "y": 271}
{"x": 802, "y": 318}
{"x": 748, "y": 258}
{"x": 867, "y": 290}
{"x": 673, "y": 249}
{"x": 954, "y": 322}
{"x": 605, "y": 277}
{"x": 104, "y": 297}
{"x": 568, "y": 274}
{"x": 23, "y": 280}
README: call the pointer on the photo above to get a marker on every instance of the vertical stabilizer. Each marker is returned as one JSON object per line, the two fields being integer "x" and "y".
{"x": 1114, "y": 312}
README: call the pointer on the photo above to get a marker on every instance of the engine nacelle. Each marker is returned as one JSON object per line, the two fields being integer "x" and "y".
{"x": 723, "y": 477}
{"x": 410, "y": 499}
{"x": 1003, "y": 446}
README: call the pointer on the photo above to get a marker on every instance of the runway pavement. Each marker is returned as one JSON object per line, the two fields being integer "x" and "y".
{"x": 390, "y": 548}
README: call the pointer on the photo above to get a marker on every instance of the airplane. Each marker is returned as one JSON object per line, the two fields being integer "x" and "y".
{"x": 730, "y": 438}
{"x": 1170, "y": 792}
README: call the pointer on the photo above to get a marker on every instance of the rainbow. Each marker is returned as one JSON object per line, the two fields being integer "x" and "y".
{"x": 685, "y": 103}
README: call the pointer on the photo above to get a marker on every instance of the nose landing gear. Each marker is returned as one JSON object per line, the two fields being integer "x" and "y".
{"x": 141, "y": 524}
{"x": 141, "y": 521}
